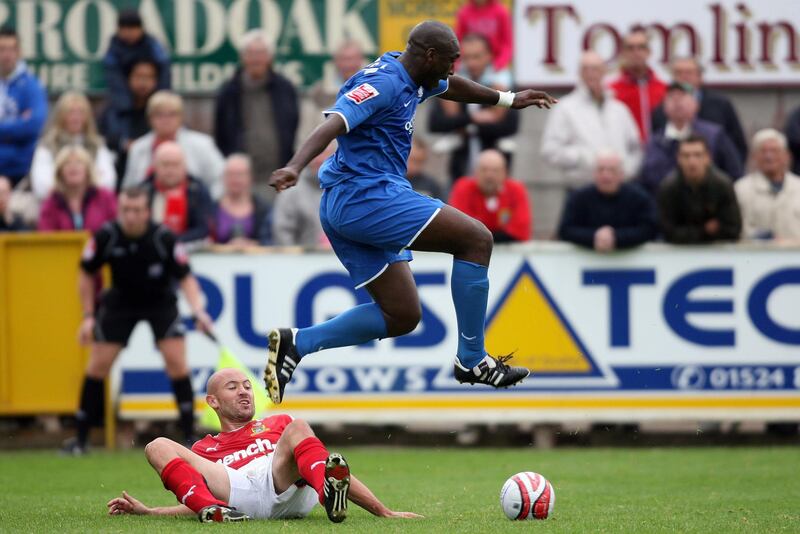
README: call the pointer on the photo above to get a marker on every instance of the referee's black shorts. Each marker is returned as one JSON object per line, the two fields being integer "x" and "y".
{"x": 115, "y": 321}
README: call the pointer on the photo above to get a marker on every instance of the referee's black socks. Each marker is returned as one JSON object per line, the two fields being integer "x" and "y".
{"x": 90, "y": 412}
{"x": 184, "y": 396}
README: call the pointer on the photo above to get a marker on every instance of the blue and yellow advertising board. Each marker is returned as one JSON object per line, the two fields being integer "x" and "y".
{"x": 658, "y": 333}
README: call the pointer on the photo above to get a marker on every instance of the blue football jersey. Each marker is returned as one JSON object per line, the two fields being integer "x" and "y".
{"x": 378, "y": 105}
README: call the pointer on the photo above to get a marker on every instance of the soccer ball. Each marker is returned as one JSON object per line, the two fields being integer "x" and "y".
{"x": 527, "y": 495}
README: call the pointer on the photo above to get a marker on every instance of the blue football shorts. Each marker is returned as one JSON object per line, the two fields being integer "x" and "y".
{"x": 370, "y": 224}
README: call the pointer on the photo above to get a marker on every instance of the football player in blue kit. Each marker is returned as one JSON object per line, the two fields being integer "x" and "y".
{"x": 374, "y": 218}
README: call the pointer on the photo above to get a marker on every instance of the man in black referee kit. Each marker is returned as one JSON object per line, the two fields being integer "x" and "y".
{"x": 147, "y": 265}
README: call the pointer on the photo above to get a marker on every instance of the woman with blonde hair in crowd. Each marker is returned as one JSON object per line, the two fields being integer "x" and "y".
{"x": 76, "y": 202}
{"x": 71, "y": 124}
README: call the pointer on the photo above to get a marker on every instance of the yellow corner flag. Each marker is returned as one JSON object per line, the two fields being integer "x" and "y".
{"x": 262, "y": 402}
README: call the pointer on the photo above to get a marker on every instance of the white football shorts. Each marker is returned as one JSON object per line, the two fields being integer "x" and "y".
{"x": 253, "y": 492}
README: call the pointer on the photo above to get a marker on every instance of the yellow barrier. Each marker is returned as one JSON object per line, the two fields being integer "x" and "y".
{"x": 39, "y": 310}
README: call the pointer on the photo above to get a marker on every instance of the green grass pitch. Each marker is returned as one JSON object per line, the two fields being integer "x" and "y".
{"x": 598, "y": 490}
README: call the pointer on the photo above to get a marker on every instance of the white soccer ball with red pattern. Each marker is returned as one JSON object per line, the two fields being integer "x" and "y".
{"x": 527, "y": 495}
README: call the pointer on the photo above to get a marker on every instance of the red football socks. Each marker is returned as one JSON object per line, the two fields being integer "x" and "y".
{"x": 188, "y": 485}
{"x": 311, "y": 455}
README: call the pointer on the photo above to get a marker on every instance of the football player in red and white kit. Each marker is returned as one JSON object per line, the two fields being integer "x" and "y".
{"x": 271, "y": 468}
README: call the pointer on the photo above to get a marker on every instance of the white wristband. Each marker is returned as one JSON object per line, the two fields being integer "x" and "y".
{"x": 505, "y": 99}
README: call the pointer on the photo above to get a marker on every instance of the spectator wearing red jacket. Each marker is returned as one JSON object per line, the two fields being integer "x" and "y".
{"x": 76, "y": 203}
{"x": 637, "y": 85}
{"x": 499, "y": 202}
{"x": 491, "y": 19}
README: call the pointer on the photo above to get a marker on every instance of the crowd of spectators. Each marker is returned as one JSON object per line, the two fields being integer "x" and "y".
{"x": 257, "y": 112}
{"x": 296, "y": 215}
{"x": 121, "y": 126}
{"x": 474, "y": 127}
{"x": 642, "y": 158}
{"x": 587, "y": 121}
{"x": 684, "y": 181}
{"x": 70, "y": 124}
{"x": 165, "y": 115}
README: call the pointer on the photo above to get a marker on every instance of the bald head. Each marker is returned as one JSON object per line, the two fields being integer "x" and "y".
{"x": 168, "y": 150}
{"x": 608, "y": 172}
{"x": 687, "y": 70}
{"x": 492, "y": 157}
{"x": 491, "y": 171}
{"x": 169, "y": 164}
{"x": 222, "y": 377}
{"x": 592, "y": 71}
{"x": 590, "y": 58}
{"x": 433, "y": 34}
{"x": 348, "y": 59}
{"x": 230, "y": 394}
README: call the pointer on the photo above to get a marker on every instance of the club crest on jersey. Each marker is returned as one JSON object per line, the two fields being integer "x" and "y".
{"x": 258, "y": 428}
{"x": 362, "y": 93}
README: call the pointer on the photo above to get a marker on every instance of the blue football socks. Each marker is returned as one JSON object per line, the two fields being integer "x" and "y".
{"x": 353, "y": 327}
{"x": 469, "y": 284}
